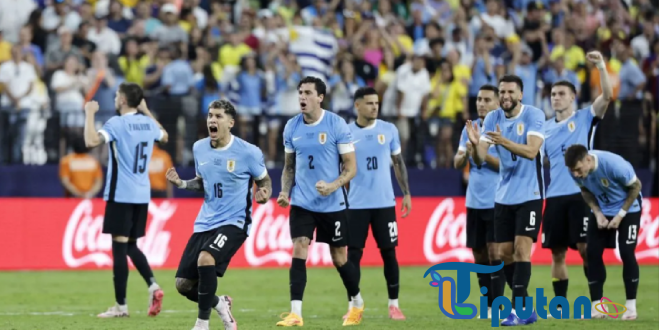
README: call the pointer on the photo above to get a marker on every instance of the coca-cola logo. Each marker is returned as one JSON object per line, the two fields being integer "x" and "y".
{"x": 85, "y": 243}
{"x": 444, "y": 237}
{"x": 647, "y": 238}
{"x": 270, "y": 240}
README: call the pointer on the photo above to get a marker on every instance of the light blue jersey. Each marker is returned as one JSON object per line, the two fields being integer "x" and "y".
{"x": 483, "y": 179}
{"x": 579, "y": 128}
{"x": 131, "y": 141}
{"x": 317, "y": 147}
{"x": 609, "y": 182}
{"x": 521, "y": 179}
{"x": 228, "y": 174}
{"x": 371, "y": 188}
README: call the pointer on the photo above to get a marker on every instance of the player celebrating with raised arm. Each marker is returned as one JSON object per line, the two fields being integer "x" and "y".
{"x": 227, "y": 168}
{"x": 566, "y": 214}
{"x": 315, "y": 142}
{"x": 612, "y": 190}
{"x": 517, "y": 132}
{"x": 480, "y": 200}
{"x": 371, "y": 195}
{"x": 131, "y": 137}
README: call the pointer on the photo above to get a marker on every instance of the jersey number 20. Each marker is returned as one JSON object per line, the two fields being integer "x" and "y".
{"x": 140, "y": 156}
{"x": 372, "y": 163}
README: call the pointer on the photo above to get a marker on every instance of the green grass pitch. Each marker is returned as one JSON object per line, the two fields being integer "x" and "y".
{"x": 70, "y": 300}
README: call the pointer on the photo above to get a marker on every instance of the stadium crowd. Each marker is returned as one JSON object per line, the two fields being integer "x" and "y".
{"x": 427, "y": 58}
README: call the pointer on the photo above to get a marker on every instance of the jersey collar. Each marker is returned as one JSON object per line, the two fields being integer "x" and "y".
{"x": 367, "y": 127}
{"x": 130, "y": 113}
{"x": 565, "y": 119}
{"x": 231, "y": 141}
{"x": 595, "y": 161}
{"x": 316, "y": 122}
{"x": 522, "y": 109}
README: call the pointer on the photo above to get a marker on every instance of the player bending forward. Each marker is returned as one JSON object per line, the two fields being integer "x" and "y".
{"x": 131, "y": 137}
{"x": 612, "y": 190}
{"x": 315, "y": 142}
{"x": 517, "y": 132}
{"x": 226, "y": 169}
{"x": 480, "y": 201}
{"x": 566, "y": 214}
{"x": 371, "y": 195}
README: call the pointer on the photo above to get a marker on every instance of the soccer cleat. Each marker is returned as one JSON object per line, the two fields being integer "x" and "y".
{"x": 346, "y": 315}
{"x": 512, "y": 320}
{"x": 531, "y": 319}
{"x": 115, "y": 311}
{"x": 596, "y": 314}
{"x": 354, "y": 316}
{"x": 396, "y": 314}
{"x": 224, "y": 311}
{"x": 290, "y": 320}
{"x": 629, "y": 315}
{"x": 155, "y": 299}
{"x": 201, "y": 325}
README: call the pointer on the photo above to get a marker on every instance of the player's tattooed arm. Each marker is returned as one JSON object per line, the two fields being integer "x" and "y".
{"x": 633, "y": 193}
{"x": 264, "y": 189}
{"x": 289, "y": 171}
{"x": 401, "y": 173}
{"x": 196, "y": 184}
{"x": 590, "y": 199}
{"x": 460, "y": 159}
{"x": 348, "y": 171}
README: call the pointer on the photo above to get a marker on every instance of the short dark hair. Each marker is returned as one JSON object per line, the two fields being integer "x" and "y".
{"x": 510, "y": 78}
{"x": 224, "y": 105}
{"x": 319, "y": 85}
{"x": 491, "y": 88}
{"x": 133, "y": 94}
{"x": 361, "y": 92}
{"x": 574, "y": 154}
{"x": 78, "y": 144}
{"x": 565, "y": 83}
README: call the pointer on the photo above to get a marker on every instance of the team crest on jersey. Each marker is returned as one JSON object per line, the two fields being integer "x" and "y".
{"x": 571, "y": 126}
{"x": 520, "y": 129}
{"x": 381, "y": 138}
{"x": 605, "y": 183}
{"x": 231, "y": 164}
{"x": 323, "y": 137}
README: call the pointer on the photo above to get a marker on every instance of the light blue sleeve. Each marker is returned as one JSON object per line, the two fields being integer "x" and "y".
{"x": 342, "y": 131}
{"x": 288, "y": 143}
{"x": 257, "y": 166}
{"x": 535, "y": 122}
{"x": 395, "y": 144}
{"x": 110, "y": 129}
{"x": 586, "y": 116}
{"x": 158, "y": 133}
{"x": 462, "y": 143}
{"x": 621, "y": 171}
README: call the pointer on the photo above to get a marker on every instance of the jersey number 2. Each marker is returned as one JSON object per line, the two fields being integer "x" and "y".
{"x": 140, "y": 156}
{"x": 311, "y": 161}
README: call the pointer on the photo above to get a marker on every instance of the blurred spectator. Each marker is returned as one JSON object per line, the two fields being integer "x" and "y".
{"x": 158, "y": 166}
{"x": 170, "y": 31}
{"x": 80, "y": 173}
{"x": 106, "y": 40}
{"x": 17, "y": 79}
{"x": 132, "y": 63}
{"x": 5, "y": 49}
{"x": 68, "y": 85}
{"x": 60, "y": 14}
{"x": 342, "y": 86}
{"x": 59, "y": 52}
{"x": 25, "y": 41}
{"x": 13, "y": 15}
{"x": 116, "y": 20}
{"x": 34, "y": 149}
{"x": 483, "y": 71}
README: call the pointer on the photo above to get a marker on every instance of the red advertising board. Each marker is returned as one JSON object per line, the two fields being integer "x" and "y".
{"x": 66, "y": 234}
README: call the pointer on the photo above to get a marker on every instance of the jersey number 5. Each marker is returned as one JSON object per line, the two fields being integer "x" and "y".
{"x": 140, "y": 156}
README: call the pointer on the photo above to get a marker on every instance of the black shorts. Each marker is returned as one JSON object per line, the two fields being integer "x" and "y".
{"x": 565, "y": 222}
{"x": 383, "y": 227}
{"x": 330, "y": 227}
{"x": 222, "y": 243}
{"x": 628, "y": 230}
{"x": 479, "y": 227}
{"x": 124, "y": 219}
{"x": 518, "y": 220}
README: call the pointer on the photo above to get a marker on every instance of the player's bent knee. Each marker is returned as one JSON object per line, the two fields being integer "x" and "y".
{"x": 300, "y": 247}
{"x": 184, "y": 285}
{"x": 505, "y": 251}
{"x": 559, "y": 255}
{"x": 582, "y": 249}
{"x": 338, "y": 255}
{"x": 480, "y": 255}
{"x": 522, "y": 248}
{"x": 120, "y": 239}
{"x": 493, "y": 252}
{"x": 205, "y": 259}
{"x": 388, "y": 253}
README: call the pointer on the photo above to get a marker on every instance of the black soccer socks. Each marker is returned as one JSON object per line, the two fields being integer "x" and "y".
{"x": 193, "y": 295}
{"x": 485, "y": 280}
{"x": 391, "y": 271}
{"x": 508, "y": 275}
{"x": 348, "y": 275}
{"x": 141, "y": 263}
{"x": 497, "y": 282}
{"x": 355, "y": 257}
{"x": 596, "y": 271}
{"x": 560, "y": 287}
{"x": 521, "y": 275}
{"x": 120, "y": 270}
{"x": 297, "y": 278}
{"x": 630, "y": 269}
{"x": 208, "y": 284}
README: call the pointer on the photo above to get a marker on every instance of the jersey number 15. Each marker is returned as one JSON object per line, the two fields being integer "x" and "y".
{"x": 140, "y": 163}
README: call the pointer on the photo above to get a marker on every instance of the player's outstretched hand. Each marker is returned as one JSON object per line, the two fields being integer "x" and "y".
{"x": 595, "y": 57}
{"x": 601, "y": 220}
{"x": 173, "y": 176}
{"x": 91, "y": 107}
{"x": 324, "y": 188}
{"x": 496, "y": 136}
{"x": 614, "y": 224}
{"x": 283, "y": 199}
{"x": 472, "y": 132}
{"x": 262, "y": 196}
{"x": 406, "y": 205}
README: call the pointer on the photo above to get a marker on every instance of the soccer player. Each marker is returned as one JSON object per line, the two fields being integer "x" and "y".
{"x": 517, "y": 132}
{"x": 227, "y": 168}
{"x": 566, "y": 214}
{"x": 371, "y": 195}
{"x": 131, "y": 137}
{"x": 612, "y": 191}
{"x": 315, "y": 142}
{"x": 480, "y": 200}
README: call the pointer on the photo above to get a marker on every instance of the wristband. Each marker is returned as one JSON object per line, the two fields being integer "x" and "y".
{"x": 183, "y": 185}
{"x": 622, "y": 213}
{"x": 600, "y": 65}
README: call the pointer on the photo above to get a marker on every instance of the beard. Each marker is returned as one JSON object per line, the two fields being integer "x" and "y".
{"x": 514, "y": 104}
{"x": 117, "y": 110}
